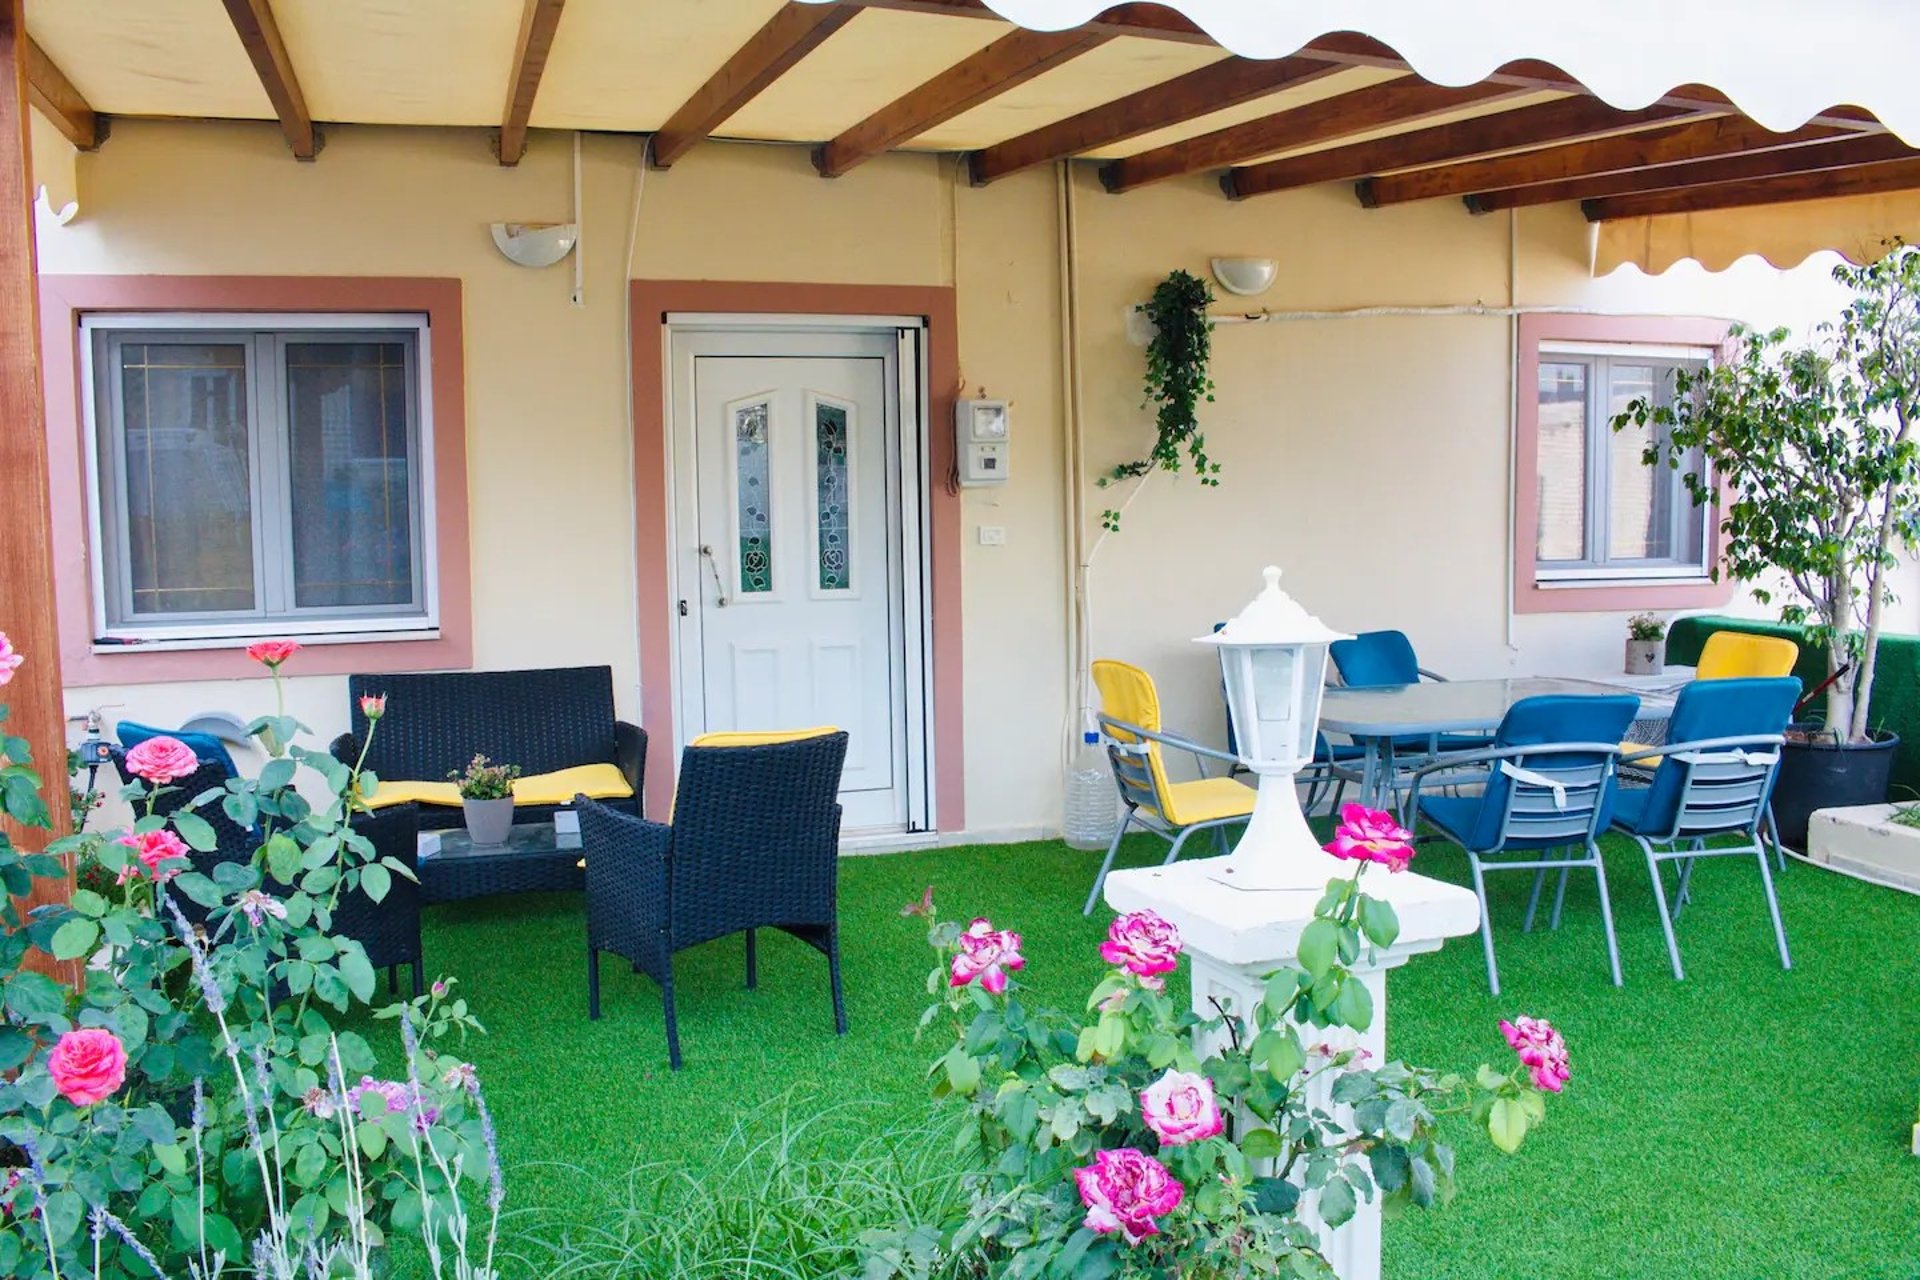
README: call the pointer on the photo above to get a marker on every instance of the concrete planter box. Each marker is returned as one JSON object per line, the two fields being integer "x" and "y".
{"x": 1862, "y": 840}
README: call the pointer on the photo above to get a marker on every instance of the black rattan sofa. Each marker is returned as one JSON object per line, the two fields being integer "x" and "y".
{"x": 543, "y": 720}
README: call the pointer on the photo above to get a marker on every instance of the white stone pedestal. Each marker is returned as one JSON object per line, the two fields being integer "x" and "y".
{"x": 1236, "y": 939}
{"x": 1865, "y": 842}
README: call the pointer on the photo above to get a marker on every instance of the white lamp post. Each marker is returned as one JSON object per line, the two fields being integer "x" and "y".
{"x": 1273, "y": 656}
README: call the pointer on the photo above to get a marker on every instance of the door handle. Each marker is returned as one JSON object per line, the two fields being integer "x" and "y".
{"x": 719, "y": 586}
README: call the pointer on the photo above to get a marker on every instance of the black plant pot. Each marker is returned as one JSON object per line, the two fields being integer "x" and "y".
{"x": 1824, "y": 774}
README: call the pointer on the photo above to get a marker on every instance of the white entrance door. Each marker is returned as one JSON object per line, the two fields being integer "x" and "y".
{"x": 791, "y": 554}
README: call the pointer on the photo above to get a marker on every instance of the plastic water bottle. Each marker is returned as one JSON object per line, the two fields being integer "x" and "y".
{"x": 1092, "y": 804}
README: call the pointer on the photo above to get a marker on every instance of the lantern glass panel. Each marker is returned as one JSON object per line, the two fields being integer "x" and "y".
{"x": 1276, "y": 700}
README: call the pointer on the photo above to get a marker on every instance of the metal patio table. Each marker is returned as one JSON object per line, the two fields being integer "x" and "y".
{"x": 1377, "y": 715}
{"x": 534, "y": 859}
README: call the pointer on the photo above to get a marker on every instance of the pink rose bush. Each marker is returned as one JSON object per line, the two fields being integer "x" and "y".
{"x": 1179, "y": 1107}
{"x": 161, "y": 760}
{"x": 988, "y": 954}
{"x": 1125, "y": 1191}
{"x": 9, "y": 660}
{"x": 1371, "y": 835}
{"x": 1541, "y": 1050}
{"x": 373, "y": 705}
{"x": 154, "y": 850}
{"x": 1104, "y": 1143}
{"x": 1143, "y": 944}
{"x": 271, "y": 653}
{"x": 88, "y": 1065}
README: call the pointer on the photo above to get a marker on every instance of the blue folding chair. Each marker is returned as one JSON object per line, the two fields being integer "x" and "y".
{"x": 1713, "y": 777}
{"x": 1373, "y": 659}
{"x": 1549, "y": 793}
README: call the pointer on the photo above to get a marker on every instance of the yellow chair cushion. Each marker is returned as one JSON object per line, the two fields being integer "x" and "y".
{"x": 1730, "y": 655}
{"x": 596, "y": 781}
{"x": 1634, "y": 749}
{"x": 759, "y": 737}
{"x": 1207, "y": 800}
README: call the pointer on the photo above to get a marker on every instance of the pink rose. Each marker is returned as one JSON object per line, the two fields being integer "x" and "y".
{"x": 161, "y": 760}
{"x": 1370, "y": 835}
{"x": 9, "y": 660}
{"x": 1144, "y": 945}
{"x": 987, "y": 953}
{"x": 1125, "y": 1190}
{"x": 154, "y": 848}
{"x": 1180, "y": 1109}
{"x": 373, "y": 705}
{"x": 87, "y": 1065}
{"x": 1540, "y": 1049}
{"x": 271, "y": 653}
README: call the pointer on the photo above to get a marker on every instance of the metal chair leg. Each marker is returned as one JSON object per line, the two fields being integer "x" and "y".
{"x": 1220, "y": 838}
{"x": 1684, "y": 892}
{"x": 1173, "y": 850}
{"x": 1533, "y": 899}
{"x": 1560, "y": 897}
{"x": 1106, "y": 865}
{"x": 1486, "y": 924}
{"x": 1666, "y": 912}
{"x": 1606, "y": 912}
{"x": 673, "y": 1021}
{"x": 1773, "y": 909}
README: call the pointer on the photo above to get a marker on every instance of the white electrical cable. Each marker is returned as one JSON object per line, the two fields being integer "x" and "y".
{"x": 1453, "y": 309}
{"x": 579, "y": 230}
{"x": 1513, "y": 422}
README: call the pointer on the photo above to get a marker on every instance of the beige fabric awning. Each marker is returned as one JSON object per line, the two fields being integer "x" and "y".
{"x": 1860, "y": 228}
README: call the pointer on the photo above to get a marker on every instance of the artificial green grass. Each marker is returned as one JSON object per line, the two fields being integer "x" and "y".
{"x": 1746, "y": 1123}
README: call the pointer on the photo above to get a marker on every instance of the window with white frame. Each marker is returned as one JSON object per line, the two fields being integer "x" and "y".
{"x": 260, "y": 474}
{"x": 1603, "y": 513}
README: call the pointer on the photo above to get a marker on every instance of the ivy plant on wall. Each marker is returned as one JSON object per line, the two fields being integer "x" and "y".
{"x": 1177, "y": 380}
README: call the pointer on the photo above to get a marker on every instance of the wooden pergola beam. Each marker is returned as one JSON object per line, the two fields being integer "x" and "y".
{"x": 1377, "y": 106}
{"x": 54, "y": 96}
{"x": 788, "y": 36}
{"x": 1566, "y": 120}
{"x": 1226, "y": 83}
{"x": 35, "y": 706}
{"x": 1841, "y": 153}
{"x": 538, "y": 22}
{"x": 1668, "y": 144}
{"x": 1011, "y": 60}
{"x": 260, "y": 36}
{"x": 1866, "y": 179}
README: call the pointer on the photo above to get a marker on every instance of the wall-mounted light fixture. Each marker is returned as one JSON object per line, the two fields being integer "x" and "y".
{"x": 535, "y": 244}
{"x": 1245, "y": 276}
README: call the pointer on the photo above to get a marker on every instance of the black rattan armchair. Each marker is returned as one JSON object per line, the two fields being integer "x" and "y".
{"x": 388, "y": 930}
{"x": 755, "y": 843}
{"x": 542, "y": 720}
{"x": 233, "y": 842}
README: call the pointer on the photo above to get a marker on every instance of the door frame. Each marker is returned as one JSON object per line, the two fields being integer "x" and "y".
{"x": 903, "y": 476}
{"x": 654, "y": 305}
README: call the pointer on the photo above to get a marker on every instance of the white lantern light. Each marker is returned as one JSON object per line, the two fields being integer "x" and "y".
{"x": 1273, "y": 657}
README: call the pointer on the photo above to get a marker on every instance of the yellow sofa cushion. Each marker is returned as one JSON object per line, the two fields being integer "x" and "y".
{"x": 598, "y": 781}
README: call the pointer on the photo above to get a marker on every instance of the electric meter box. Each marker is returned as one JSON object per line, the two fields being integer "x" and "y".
{"x": 980, "y": 441}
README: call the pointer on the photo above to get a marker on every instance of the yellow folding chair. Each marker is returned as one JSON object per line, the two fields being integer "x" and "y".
{"x": 1735, "y": 655}
{"x": 1130, "y": 721}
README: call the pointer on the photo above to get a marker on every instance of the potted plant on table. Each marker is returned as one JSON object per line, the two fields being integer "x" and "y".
{"x": 486, "y": 799}
{"x": 1646, "y": 645}
{"x": 1811, "y": 452}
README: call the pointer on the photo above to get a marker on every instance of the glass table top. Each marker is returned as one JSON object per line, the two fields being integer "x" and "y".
{"x": 525, "y": 840}
{"x": 1454, "y": 706}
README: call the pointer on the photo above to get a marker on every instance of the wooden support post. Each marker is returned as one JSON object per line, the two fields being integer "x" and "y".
{"x": 26, "y": 519}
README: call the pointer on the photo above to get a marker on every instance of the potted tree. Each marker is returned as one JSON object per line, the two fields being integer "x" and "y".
{"x": 1811, "y": 453}
{"x": 1646, "y": 645}
{"x": 486, "y": 799}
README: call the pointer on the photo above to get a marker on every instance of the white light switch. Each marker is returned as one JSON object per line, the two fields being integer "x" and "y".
{"x": 993, "y": 535}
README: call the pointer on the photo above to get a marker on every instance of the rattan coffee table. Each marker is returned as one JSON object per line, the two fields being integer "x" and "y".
{"x": 534, "y": 859}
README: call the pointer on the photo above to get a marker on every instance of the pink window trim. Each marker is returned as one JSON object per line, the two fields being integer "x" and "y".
{"x": 65, "y": 299}
{"x": 1529, "y": 595}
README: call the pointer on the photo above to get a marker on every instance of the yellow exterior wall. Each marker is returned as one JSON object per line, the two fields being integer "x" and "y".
{"x": 1368, "y": 457}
